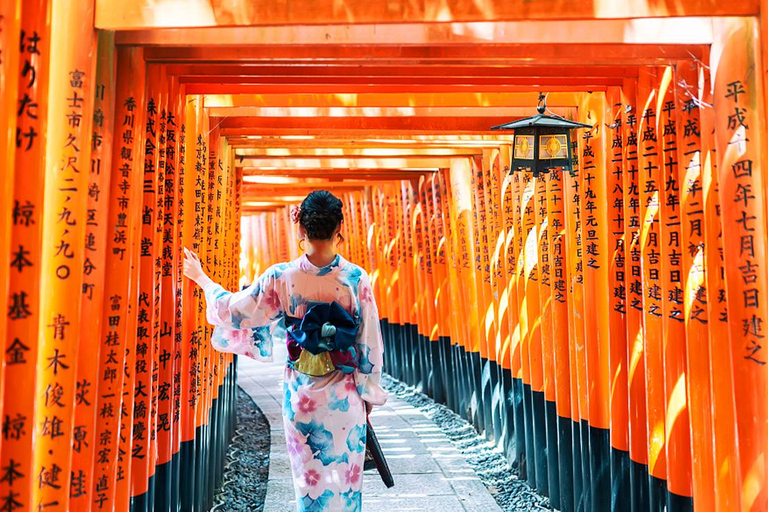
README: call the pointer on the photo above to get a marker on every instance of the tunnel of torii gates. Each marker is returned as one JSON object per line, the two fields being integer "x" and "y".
{"x": 605, "y": 329}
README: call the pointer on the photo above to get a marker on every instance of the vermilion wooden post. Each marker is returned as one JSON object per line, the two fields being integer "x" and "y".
{"x": 547, "y": 396}
{"x": 439, "y": 242}
{"x": 125, "y": 436}
{"x": 202, "y": 188}
{"x": 510, "y": 196}
{"x": 461, "y": 212}
{"x": 508, "y": 309}
{"x": 594, "y": 209}
{"x": 162, "y": 303}
{"x": 560, "y": 345}
{"x": 432, "y": 354}
{"x": 575, "y": 286}
{"x": 484, "y": 292}
{"x": 688, "y": 98}
{"x": 174, "y": 172}
{"x": 650, "y": 183}
{"x": 583, "y": 354}
{"x": 528, "y": 300}
{"x": 67, "y": 160}
{"x": 92, "y": 308}
{"x": 726, "y": 473}
{"x": 638, "y": 428}
{"x": 187, "y": 189}
{"x": 164, "y": 296}
{"x": 123, "y": 218}
{"x": 617, "y": 278}
{"x": 677, "y": 425}
{"x": 495, "y": 242}
{"x": 144, "y": 396}
{"x": 741, "y": 145}
{"x": 202, "y": 224}
{"x": 407, "y": 297}
{"x": 21, "y": 340}
{"x": 396, "y": 289}
{"x": 10, "y": 28}
{"x": 459, "y": 331}
{"x": 414, "y": 257}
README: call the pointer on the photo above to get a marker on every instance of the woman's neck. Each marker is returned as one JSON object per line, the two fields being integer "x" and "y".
{"x": 320, "y": 253}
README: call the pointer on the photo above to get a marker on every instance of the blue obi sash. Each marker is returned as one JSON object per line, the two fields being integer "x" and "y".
{"x": 323, "y": 340}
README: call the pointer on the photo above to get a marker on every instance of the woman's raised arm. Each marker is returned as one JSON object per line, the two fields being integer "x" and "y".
{"x": 256, "y": 306}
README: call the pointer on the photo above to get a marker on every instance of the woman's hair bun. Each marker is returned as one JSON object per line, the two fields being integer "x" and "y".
{"x": 321, "y": 214}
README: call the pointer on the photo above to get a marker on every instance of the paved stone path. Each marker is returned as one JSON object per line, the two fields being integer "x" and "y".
{"x": 430, "y": 473}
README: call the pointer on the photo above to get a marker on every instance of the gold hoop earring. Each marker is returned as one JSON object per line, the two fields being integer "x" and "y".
{"x": 301, "y": 244}
{"x": 340, "y": 239}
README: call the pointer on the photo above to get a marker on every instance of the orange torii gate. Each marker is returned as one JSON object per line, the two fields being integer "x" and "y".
{"x": 605, "y": 328}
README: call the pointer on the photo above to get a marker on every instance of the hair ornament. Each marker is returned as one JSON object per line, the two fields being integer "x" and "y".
{"x": 296, "y": 214}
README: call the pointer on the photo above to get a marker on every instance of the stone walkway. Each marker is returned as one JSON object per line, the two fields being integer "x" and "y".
{"x": 430, "y": 473}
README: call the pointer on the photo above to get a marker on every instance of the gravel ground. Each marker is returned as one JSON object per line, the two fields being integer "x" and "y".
{"x": 244, "y": 485}
{"x": 488, "y": 461}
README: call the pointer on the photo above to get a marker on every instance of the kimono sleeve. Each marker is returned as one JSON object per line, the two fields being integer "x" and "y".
{"x": 255, "y": 307}
{"x": 370, "y": 347}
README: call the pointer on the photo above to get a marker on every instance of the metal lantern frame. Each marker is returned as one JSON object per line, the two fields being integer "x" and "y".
{"x": 541, "y": 143}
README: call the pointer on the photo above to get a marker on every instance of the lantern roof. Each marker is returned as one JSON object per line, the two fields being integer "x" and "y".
{"x": 542, "y": 120}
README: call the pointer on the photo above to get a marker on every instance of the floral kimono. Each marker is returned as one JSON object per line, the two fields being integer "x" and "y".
{"x": 324, "y": 417}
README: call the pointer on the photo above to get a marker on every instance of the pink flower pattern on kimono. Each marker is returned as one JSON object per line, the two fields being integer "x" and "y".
{"x": 352, "y": 475}
{"x": 303, "y": 406}
{"x": 366, "y": 294}
{"x": 324, "y": 417}
{"x": 311, "y": 478}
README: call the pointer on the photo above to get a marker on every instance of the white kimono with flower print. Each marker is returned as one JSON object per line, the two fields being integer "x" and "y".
{"x": 324, "y": 417}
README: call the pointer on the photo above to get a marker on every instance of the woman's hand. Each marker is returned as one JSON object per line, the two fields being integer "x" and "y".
{"x": 193, "y": 269}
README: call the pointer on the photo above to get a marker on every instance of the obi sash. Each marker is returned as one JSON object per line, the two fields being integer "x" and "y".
{"x": 323, "y": 340}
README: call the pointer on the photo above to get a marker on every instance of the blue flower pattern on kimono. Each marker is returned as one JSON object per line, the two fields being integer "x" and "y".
{"x": 364, "y": 362}
{"x": 262, "y": 340}
{"x": 338, "y": 404}
{"x": 356, "y": 438}
{"x": 287, "y": 409}
{"x": 317, "y": 505}
{"x": 319, "y": 440}
{"x": 352, "y": 500}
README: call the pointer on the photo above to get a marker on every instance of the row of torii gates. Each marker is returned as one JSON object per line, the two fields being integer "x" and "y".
{"x": 605, "y": 328}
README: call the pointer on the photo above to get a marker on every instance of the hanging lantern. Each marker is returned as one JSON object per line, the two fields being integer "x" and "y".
{"x": 542, "y": 142}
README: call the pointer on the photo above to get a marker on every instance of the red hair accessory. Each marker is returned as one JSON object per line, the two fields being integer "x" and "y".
{"x": 296, "y": 214}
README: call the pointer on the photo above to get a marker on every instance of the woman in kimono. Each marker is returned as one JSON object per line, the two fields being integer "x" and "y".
{"x": 335, "y": 352}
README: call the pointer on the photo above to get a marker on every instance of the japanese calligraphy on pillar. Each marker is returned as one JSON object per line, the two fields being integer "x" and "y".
{"x": 670, "y": 214}
{"x": 67, "y": 160}
{"x": 727, "y": 480}
{"x": 575, "y": 282}
{"x": 741, "y": 145}
{"x": 687, "y": 101}
{"x": 740, "y": 196}
{"x": 616, "y": 212}
{"x": 179, "y": 145}
{"x": 675, "y": 371}
{"x": 20, "y": 344}
{"x": 617, "y": 274}
{"x": 650, "y": 181}
{"x": 144, "y": 373}
{"x": 123, "y": 219}
{"x": 638, "y": 441}
{"x": 92, "y": 307}
{"x": 559, "y": 307}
